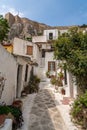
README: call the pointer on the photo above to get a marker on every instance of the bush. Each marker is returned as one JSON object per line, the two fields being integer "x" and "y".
{"x": 48, "y": 74}
{"x": 53, "y": 80}
{"x": 61, "y": 75}
{"x": 32, "y": 87}
{"x": 79, "y": 110}
{"x": 36, "y": 79}
{"x": 59, "y": 82}
{"x": 4, "y": 110}
{"x": 16, "y": 112}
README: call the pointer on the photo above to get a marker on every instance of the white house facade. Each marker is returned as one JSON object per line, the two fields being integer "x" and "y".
{"x": 8, "y": 70}
{"x": 23, "y": 51}
{"x": 46, "y": 61}
{"x": 38, "y": 54}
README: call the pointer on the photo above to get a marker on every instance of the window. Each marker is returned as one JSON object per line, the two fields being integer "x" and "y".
{"x": 50, "y": 36}
{"x": 51, "y": 66}
{"x": 29, "y": 50}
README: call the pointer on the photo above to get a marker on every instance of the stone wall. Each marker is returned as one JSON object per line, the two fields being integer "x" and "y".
{"x": 18, "y": 19}
{"x": 10, "y": 18}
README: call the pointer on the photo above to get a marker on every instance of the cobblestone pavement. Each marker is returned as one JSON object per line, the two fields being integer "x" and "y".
{"x": 44, "y": 115}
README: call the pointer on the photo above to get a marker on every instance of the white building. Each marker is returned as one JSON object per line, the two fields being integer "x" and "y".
{"x": 46, "y": 61}
{"x": 16, "y": 69}
{"x": 8, "y": 69}
{"x": 24, "y": 52}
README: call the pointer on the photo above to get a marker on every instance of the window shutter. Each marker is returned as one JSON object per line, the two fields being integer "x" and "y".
{"x": 29, "y": 50}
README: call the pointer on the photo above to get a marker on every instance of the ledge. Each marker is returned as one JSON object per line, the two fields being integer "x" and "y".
{"x": 7, "y": 125}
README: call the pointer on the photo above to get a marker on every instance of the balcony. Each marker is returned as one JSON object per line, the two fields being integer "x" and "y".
{"x": 43, "y": 39}
{"x": 39, "y": 39}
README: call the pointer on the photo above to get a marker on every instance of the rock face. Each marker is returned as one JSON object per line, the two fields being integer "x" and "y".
{"x": 10, "y": 18}
{"x": 23, "y": 27}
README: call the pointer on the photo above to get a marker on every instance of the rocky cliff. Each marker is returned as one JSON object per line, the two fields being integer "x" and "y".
{"x": 23, "y": 27}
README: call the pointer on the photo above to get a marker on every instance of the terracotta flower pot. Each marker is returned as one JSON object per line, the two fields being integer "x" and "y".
{"x": 63, "y": 91}
{"x": 18, "y": 104}
{"x": 2, "y": 119}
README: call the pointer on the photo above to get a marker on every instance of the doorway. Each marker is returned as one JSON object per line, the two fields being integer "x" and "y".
{"x": 19, "y": 81}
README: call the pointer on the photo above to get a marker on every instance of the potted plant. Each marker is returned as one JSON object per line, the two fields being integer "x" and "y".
{"x": 13, "y": 113}
{"x": 2, "y": 119}
{"x": 61, "y": 75}
{"x": 18, "y": 104}
{"x": 53, "y": 80}
{"x": 59, "y": 82}
{"x": 48, "y": 74}
{"x": 3, "y": 112}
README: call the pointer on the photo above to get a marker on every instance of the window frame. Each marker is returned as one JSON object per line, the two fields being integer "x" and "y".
{"x": 27, "y": 50}
{"x": 51, "y": 66}
{"x": 50, "y": 36}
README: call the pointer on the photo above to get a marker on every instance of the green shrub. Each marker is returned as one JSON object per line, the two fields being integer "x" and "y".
{"x": 16, "y": 112}
{"x": 59, "y": 82}
{"x": 36, "y": 79}
{"x": 29, "y": 39}
{"x": 79, "y": 110}
{"x": 4, "y": 110}
{"x": 33, "y": 85}
{"x": 53, "y": 80}
{"x": 48, "y": 74}
{"x": 61, "y": 75}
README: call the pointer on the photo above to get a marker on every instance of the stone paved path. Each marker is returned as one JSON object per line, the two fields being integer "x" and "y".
{"x": 44, "y": 114}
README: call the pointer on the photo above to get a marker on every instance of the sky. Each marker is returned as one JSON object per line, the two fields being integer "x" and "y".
{"x": 50, "y": 12}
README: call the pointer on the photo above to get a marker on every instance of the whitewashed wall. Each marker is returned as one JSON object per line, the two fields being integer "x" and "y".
{"x": 37, "y": 57}
{"x": 20, "y": 51}
{"x": 54, "y": 31}
{"x": 21, "y": 61}
{"x": 36, "y": 54}
{"x": 49, "y": 57}
{"x": 39, "y": 39}
{"x": 20, "y": 47}
{"x": 71, "y": 86}
{"x": 29, "y": 70}
{"x": 8, "y": 67}
{"x": 41, "y": 71}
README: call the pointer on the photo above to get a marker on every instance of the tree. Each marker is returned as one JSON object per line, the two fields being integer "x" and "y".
{"x": 4, "y": 28}
{"x": 72, "y": 48}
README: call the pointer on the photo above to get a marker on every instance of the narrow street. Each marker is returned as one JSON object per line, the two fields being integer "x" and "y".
{"x": 44, "y": 111}
{"x": 40, "y": 111}
{"x": 44, "y": 115}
